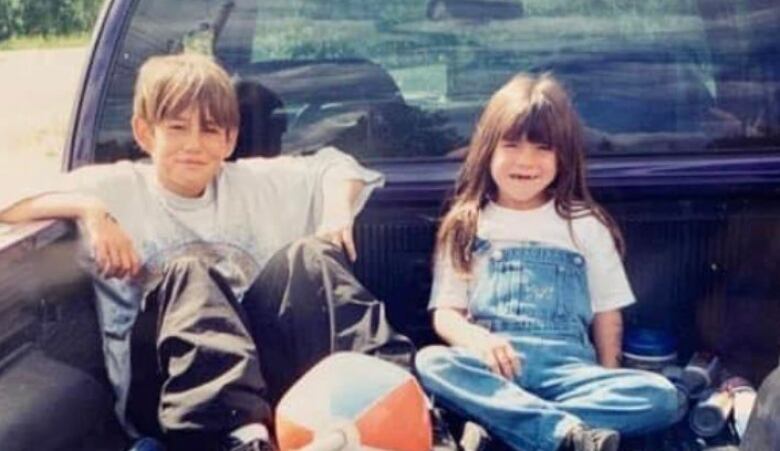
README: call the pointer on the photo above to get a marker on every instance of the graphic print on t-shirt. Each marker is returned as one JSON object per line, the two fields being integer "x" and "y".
{"x": 235, "y": 264}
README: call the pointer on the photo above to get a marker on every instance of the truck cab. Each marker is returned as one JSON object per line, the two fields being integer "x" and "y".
{"x": 680, "y": 101}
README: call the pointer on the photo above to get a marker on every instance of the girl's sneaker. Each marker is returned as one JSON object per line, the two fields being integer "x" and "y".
{"x": 474, "y": 438}
{"x": 595, "y": 439}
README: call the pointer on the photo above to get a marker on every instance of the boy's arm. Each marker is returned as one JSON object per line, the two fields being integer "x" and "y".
{"x": 339, "y": 204}
{"x": 608, "y": 336}
{"x": 346, "y": 186}
{"x": 51, "y": 206}
{"x": 331, "y": 181}
{"x": 110, "y": 245}
{"x": 496, "y": 351}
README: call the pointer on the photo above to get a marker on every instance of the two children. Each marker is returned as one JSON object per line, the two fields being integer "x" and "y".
{"x": 527, "y": 265}
{"x": 187, "y": 253}
{"x": 206, "y": 315}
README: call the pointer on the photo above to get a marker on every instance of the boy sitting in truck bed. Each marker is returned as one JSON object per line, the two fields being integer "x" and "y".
{"x": 178, "y": 247}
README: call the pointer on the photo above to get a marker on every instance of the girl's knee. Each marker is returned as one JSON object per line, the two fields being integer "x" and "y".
{"x": 652, "y": 402}
{"x": 672, "y": 402}
{"x": 431, "y": 357}
{"x": 667, "y": 402}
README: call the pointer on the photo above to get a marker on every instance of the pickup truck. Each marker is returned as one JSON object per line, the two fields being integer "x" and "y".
{"x": 681, "y": 102}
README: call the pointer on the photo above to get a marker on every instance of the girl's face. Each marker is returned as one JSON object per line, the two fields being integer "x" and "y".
{"x": 522, "y": 170}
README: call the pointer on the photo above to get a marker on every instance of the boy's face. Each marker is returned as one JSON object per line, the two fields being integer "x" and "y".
{"x": 186, "y": 153}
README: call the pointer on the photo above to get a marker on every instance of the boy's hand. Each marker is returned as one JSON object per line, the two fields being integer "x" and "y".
{"x": 343, "y": 238}
{"x": 338, "y": 220}
{"x": 111, "y": 247}
{"x": 498, "y": 353}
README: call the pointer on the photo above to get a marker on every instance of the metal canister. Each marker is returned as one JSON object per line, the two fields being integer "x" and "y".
{"x": 699, "y": 374}
{"x": 709, "y": 416}
{"x": 744, "y": 397}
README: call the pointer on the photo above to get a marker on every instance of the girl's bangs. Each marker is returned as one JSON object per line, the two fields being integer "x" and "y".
{"x": 538, "y": 124}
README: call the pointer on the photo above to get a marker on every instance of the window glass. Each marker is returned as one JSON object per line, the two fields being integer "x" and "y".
{"x": 403, "y": 78}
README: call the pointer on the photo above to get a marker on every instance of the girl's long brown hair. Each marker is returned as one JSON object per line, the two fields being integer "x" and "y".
{"x": 539, "y": 109}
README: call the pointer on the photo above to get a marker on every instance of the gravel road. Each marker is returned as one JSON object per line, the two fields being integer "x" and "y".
{"x": 36, "y": 97}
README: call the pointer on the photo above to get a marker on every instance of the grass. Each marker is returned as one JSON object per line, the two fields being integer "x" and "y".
{"x": 41, "y": 41}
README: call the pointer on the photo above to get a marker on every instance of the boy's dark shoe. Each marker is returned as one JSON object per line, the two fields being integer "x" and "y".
{"x": 147, "y": 444}
{"x": 253, "y": 445}
{"x": 587, "y": 439}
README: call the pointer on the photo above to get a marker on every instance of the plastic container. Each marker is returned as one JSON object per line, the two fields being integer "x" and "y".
{"x": 649, "y": 349}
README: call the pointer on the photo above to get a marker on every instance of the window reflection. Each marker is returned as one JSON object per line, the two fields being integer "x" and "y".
{"x": 401, "y": 79}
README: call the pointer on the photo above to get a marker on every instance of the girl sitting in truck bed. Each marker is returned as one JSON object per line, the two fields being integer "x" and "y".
{"x": 527, "y": 265}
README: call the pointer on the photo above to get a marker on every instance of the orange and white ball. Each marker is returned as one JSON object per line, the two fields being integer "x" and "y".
{"x": 354, "y": 401}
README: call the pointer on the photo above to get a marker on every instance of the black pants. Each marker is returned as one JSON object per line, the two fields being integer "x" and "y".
{"x": 203, "y": 364}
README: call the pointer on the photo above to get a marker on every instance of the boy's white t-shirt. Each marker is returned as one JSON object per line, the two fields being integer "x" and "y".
{"x": 504, "y": 227}
{"x": 253, "y": 208}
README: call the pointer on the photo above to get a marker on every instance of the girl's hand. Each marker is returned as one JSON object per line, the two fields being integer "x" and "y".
{"x": 110, "y": 246}
{"x": 499, "y": 354}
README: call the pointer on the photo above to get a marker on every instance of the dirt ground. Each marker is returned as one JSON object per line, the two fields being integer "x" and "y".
{"x": 36, "y": 97}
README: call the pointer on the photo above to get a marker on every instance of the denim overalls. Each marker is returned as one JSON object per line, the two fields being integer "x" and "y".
{"x": 537, "y": 297}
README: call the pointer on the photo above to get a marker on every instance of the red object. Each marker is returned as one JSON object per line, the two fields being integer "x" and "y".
{"x": 366, "y": 401}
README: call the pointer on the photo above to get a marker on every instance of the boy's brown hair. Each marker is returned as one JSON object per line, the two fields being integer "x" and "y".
{"x": 169, "y": 84}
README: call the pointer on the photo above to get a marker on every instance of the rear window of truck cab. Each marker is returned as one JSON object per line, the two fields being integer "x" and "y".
{"x": 392, "y": 79}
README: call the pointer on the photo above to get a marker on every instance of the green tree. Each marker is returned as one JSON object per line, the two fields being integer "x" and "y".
{"x": 46, "y": 17}
{"x": 10, "y": 20}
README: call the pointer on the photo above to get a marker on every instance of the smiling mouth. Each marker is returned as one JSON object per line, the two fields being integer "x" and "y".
{"x": 523, "y": 176}
{"x": 192, "y": 163}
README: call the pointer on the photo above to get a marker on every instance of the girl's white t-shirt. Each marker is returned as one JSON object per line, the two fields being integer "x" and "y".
{"x": 503, "y": 227}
